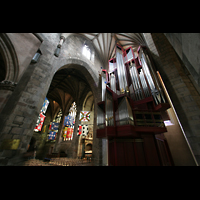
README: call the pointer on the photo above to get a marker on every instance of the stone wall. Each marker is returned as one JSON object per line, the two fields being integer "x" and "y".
{"x": 182, "y": 91}
{"x": 29, "y": 44}
{"x": 187, "y": 46}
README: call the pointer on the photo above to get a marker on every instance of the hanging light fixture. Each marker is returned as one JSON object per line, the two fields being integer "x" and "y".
{"x": 36, "y": 56}
{"x": 57, "y": 51}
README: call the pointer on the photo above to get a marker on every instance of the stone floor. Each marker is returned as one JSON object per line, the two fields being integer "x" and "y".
{"x": 59, "y": 162}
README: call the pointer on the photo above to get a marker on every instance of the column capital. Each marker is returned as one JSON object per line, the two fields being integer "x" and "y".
{"x": 7, "y": 85}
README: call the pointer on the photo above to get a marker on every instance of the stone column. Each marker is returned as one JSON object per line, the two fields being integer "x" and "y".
{"x": 19, "y": 115}
{"x": 59, "y": 135}
{"x": 83, "y": 148}
{"x": 74, "y": 145}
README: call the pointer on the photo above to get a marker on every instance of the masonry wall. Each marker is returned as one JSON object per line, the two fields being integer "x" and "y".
{"x": 187, "y": 46}
{"x": 29, "y": 44}
{"x": 182, "y": 91}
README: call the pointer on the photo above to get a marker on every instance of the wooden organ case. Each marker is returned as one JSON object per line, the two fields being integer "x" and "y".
{"x": 130, "y": 112}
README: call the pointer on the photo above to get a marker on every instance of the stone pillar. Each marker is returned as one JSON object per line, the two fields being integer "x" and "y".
{"x": 105, "y": 152}
{"x": 6, "y": 89}
{"x": 83, "y": 148}
{"x": 59, "y": 135}
{"x": 74, "y": 145}
{"x": 19, "y": 115}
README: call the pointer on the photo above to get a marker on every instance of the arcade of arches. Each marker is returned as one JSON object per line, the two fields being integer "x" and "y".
{"x": 67, "y": 70}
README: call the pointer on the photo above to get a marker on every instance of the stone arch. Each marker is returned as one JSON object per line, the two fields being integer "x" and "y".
{"x": 93, "y": 81}
{"x": 86, "y": 70}
{"x": 10, "y": 58}
{"x": 9, "y": 69}
{"x": 88, "y": 146}
{"x": 89, "y": 101}
{"x": 78, "y": 64}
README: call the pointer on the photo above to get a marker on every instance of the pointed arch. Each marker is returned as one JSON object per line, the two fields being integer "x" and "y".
{"x": 10, "y": 58}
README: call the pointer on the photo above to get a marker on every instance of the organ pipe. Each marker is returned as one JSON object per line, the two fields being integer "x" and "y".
{"x": 121, "y": 71}
{"x": 100, "y": 118}
{"x": 109, "y": 109}
{"x": 124, "y": 112}
{"x": 103, "y": 85}
{"x": 151, "y": 78}
{"x": 113, "y": 82}
{"x": 129, "y": 56}
{"x": 135, "y": 82}
{"x": 128, "y": 74}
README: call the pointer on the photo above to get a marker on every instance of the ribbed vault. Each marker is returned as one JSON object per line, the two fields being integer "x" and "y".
{"x": 68, "y": 85}
{"x": 104, "y": 43}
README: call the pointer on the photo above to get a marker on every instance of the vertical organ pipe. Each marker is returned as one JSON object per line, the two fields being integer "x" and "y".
{"x": 100, "y": 118}
{"x": 160, "y": 92}
{"x": 129, "y": 56}
{"x": 144, "y": 84}
{"x": 109, "y": 110}
{"x": 103, "y": 85}
{"x": 148, "y": 76}
{"x": 125, "y": 112}
{"x": 136, "y": 85}
{"x": 121, "y": 71}
{"x": 112, "y": 82}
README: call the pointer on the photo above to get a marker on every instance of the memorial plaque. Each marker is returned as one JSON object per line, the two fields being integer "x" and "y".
{"x": 10, "y": 144}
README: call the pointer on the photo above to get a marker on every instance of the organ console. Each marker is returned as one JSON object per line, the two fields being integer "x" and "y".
{"x": 130, "y": 112}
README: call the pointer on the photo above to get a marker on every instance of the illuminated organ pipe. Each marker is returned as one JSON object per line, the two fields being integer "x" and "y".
{"x": 113, "y": 82}
{"x": 112, "y": 64}
{"x": 103, "y": 84}
{"x": 160, "y": 96}
{"x": 129, "y": 55}
{"x": 109, "y": 109}
{"x": 144, "y": 83}
{"x": 135, "y": 82}
{"x": 124, "y": 112}
{"x": 155, "y": 88}
{"x": 121, "y": 70}
{"x": 100, "y": 118}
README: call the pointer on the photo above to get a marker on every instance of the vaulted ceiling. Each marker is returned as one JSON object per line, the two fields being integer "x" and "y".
{"x": 105, "y": 42}
{"x": 68, "y": 85}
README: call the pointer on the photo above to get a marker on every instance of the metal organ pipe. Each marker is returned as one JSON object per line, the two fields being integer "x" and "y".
{"x": 112, "y": 82}
{"x": 129, "y": 56}
{"x": 103, "y": 85}
{"x": 149, "y": 72}
{"x": 135, "y": 81}
{"x": 121, "y": 71}
{"x": 109, "y": 110}
{"x": 100, "y": 118}
{"x": 144, "y": 83}
{"x": 125, "y": 112}
{"x": 155, "y": 78}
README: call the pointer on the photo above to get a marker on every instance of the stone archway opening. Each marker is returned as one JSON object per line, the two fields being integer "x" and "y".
{"x": 69, "y": 86}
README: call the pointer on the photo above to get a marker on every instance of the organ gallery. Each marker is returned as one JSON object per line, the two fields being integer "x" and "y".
{"x": 130, "y": 113}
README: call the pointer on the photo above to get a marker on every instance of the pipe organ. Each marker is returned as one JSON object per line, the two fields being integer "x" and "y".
{"x": 129, "y": 114}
